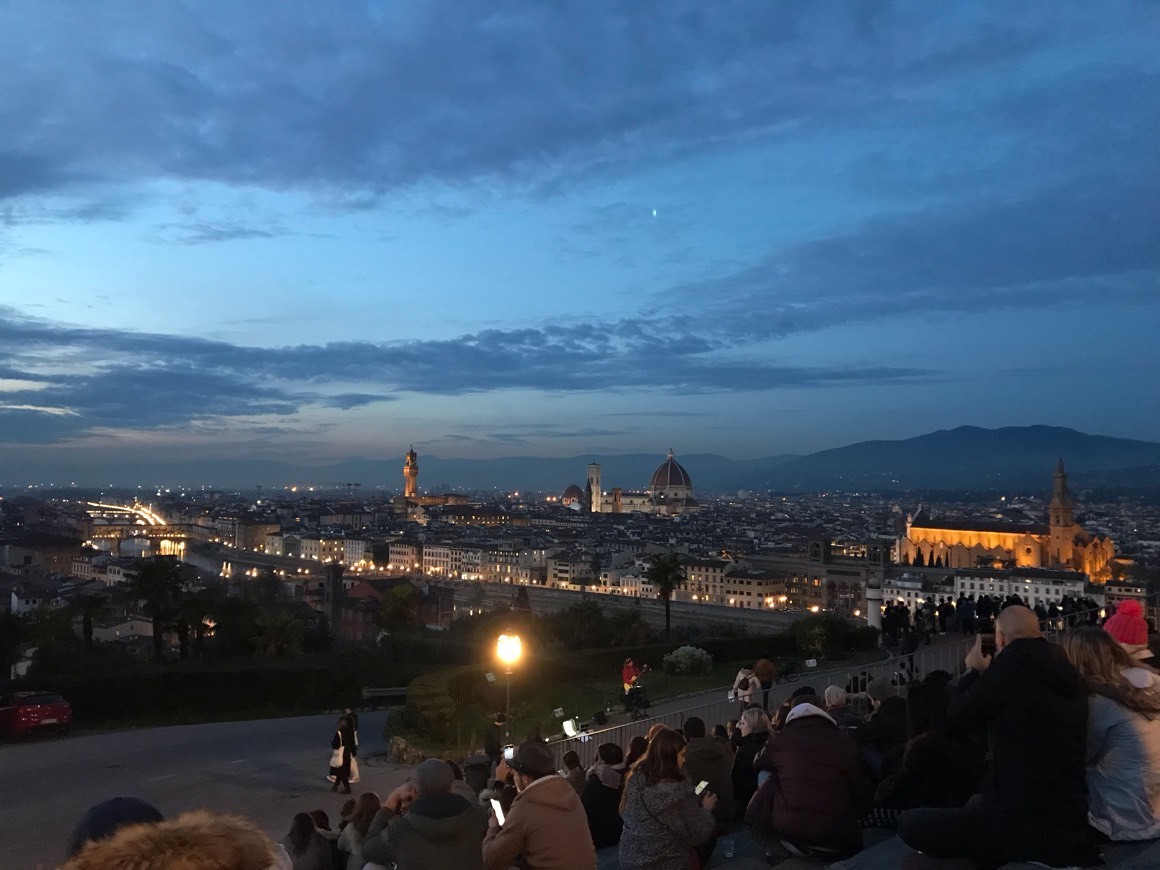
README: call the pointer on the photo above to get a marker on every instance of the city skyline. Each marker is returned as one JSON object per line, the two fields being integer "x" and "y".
{"x": 571, "y": 229}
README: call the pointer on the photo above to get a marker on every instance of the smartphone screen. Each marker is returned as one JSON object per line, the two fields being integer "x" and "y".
{"x": 498, "y": 810}
{"x": 509, "y": 752}
{"x": 987, "y": 644}
{"x": 701, "y": 786}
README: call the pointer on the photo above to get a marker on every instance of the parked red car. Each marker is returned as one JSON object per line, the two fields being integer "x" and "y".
{"x": 23, "y": 713}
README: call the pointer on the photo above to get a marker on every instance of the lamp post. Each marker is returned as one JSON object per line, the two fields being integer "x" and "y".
{"x": 508, "y": 650}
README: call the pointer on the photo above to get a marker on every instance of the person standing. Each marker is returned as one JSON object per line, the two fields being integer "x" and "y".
{"x": 1033, "y": 804}
{"x": 341, "y": 745}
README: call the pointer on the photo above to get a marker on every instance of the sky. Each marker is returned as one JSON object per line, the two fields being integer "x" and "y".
{"x": 316, "y": 232}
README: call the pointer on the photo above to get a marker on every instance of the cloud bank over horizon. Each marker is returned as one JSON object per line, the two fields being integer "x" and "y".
{"x": 768, "y": 229}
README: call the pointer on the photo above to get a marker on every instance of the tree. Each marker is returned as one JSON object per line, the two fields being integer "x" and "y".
{"x": 190, "y": 612}
{"x": 627, "y": 628}
{"x": 13, "y": 633}
{"x": 399, "y": 609}
{"x": 279, "y": 634}
{"x": 666, "y": 576}
{"x": 89, "y": 606}
{"x": 156, "y": 589}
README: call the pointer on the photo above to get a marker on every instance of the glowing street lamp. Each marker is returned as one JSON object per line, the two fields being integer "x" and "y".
{"x": 508, "y": 650}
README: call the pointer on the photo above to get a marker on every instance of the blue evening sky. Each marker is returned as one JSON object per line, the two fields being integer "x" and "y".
{"x": 316, "y": 231}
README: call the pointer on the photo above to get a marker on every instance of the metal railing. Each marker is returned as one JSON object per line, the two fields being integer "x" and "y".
{"x": 893, "y": 673}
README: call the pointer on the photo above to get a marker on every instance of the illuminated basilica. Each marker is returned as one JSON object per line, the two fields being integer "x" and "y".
{"x": 669, "y": 493}
{"x": 1061, "y": 543}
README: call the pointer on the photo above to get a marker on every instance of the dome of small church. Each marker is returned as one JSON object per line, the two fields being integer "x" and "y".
{"x": 670, "y": 474}
{"x": 571, "y": 494}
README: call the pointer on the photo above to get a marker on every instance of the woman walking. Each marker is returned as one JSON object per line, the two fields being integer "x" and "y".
{"x": 342, "y": 745}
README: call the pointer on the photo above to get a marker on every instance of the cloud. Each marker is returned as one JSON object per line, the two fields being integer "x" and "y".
{"x": 366, "y": 99}
{"x": 204, "y": 233}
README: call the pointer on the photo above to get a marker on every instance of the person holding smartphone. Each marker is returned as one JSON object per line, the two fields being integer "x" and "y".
{"x": 666, "y": 822}
{"x": 546, "y": 827}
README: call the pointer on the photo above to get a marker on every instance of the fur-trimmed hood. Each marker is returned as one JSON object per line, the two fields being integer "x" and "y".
{"x": 197, "y": 840}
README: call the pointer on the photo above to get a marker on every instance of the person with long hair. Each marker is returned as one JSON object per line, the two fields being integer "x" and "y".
{"x": 307, "y": 848}
{"x": 366, "y": 805}
{"x": 342, "y": 744}
{"x": 601, "y": 795}
{"x": 636, "y": 748}
{"x": 1123, "y": 736}
{"x": 754, "y": 728}
{"x": 665, "y": 822}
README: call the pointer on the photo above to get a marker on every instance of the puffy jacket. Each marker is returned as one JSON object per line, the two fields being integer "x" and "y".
{"x": 710, "y": 760}
{"x": 818, "y": 787}
{"x": 437, "y": 831}
{"x": 546, "y": 826}
{"x": 663, "y": 825}
{"x": 1123, "y": 766}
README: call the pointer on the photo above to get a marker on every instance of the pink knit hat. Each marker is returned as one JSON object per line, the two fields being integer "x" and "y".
{"x": 1128, "y": 626}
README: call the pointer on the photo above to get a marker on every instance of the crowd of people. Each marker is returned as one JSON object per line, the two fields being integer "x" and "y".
{"x": 1039, "y": 752}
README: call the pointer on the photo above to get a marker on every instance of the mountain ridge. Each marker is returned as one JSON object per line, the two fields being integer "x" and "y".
{"x": 965, "y": 457}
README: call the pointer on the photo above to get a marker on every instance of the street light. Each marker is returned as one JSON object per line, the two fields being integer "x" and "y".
{"x": 508, "y": 650}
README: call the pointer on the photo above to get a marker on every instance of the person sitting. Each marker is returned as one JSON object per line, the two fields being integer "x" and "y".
{"x": 636, "y": 747}
{"x": 366, "y": 806}
{"x": 601, "y": 795}
{"x": 207, "y": 841}
{"x": 754, "y": 728}
{"x": 1123, "y": 736}
{"x": 461, "y": 787}
{"x": 818, "y": 788}
{"x": 935, "y": 770}
{"x": 307, "y": 847}
{"x": 664, "y": 821}
{"x": 710, "y": 760}
{"x": 574, "y": 770}
{"x": 721, "y": 732}
{"x": 546, "y": 827}
{"x": 840, "y": 712}
{"x": 1129, "y": 628}
{"x": 424, "y": 824}
{"x": 882, "y": 736}
{"x": 106, "y": 818}
{"x": 1033, "y": 804}
{"x": 322, "y": 825}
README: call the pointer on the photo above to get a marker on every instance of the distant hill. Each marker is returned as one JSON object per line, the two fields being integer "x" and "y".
{"x": 971, "y": 458}
{"x": 966, "y": 458}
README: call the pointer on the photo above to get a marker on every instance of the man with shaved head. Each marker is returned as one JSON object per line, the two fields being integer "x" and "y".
{"x": 1032, "y": 802}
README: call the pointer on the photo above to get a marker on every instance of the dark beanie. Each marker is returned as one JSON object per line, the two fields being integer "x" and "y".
{"x": 105, "y": 819}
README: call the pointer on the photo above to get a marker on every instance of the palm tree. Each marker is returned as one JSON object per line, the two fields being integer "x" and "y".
{"x": 666, "y": 575}
{"x": 157, "y": 588}
{"x": 279, "y": 634}
{"x": 190, "y": 614}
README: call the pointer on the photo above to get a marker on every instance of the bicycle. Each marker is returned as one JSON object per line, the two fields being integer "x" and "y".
{"x": 790, "y": 671}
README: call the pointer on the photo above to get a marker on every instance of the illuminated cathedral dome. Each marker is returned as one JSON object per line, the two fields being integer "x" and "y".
{"x": 670, "y": 474}
{"x": 671, "y": 488}
{"x": 571, "y": 494}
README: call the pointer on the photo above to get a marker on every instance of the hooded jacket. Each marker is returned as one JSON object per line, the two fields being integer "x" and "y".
{"x": 711, "y": 761}
{"x": 1123, "y": 765}
{"x": 1033, "y": 704}
{"x": 818, "y": 787}
{"x": 546, "y": 826}
{"x": 197, "y": 840}
{"x": 663, "y": 825}
{"x": 437, "y": 831}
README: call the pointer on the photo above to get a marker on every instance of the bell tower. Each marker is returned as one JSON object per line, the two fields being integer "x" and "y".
{"x": 411, "y": 474}
{"x": 594, "y": 490}
{"x": 1062, "y": 507}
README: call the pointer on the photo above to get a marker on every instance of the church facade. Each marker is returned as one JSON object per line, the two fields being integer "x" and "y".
{"x": 1060, "y": 543}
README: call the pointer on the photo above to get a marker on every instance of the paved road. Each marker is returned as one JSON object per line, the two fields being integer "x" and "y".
{"x": 267, "y": 770}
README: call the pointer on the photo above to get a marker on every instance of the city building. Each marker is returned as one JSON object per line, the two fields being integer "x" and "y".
{"x": 1059, "y": 543}
{"x": 669, "y": 493}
